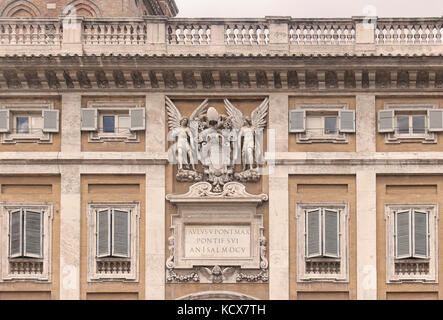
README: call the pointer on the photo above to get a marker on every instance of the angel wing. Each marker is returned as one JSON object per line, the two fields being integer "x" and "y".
{"x": 235, "y": 115}
{"x": 174, "y": 116}
{"x": 201, "y": 109}
{"x": 228, "y": 272}
{"x": 258, "y": 116}
{"x": 206, "y": 272}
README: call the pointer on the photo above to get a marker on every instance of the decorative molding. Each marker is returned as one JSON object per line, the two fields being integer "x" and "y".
{"x": 411, "y": 107}
{"x": 108, "y": 73}
{"x": 240, "y": 254}
{"x": 24, "y": 108}
{"x": 26, "y": 269}
{"x": 411, "y": 270}
{"x": 313, "y": 109}
{"x": 323, "y": 269}
{"x": 113, "y": 269}
{"x": 111, "y": 107}
{"x": 217, "y": 295}
{"x": 201, "y": 192}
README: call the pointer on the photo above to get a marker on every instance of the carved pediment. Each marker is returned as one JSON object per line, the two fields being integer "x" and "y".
{"x": 202, "y": 192}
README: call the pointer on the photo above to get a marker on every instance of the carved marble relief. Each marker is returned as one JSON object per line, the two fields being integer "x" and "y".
{"x": 218, "y": 142}
{"x": 217, "y": 237}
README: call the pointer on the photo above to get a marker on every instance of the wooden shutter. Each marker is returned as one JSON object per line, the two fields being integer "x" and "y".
{"x": 51, "y": 120}
{"x": 297, "y": 121}
{"x": 4, "y": 121}
{"x": 120, "y": 233}
{"x": 33, "y": 234}
{"x": 89, "y": 119}
{"x": 15, "y": 233}
{"x": 435, "y": 120}
{"x": 386, "y": 121}
{"x": 138, "y": 119}
{"x": 421, "y": 240}
{"x": 331, "y": 231}
{"x": 103, "y": 233}
{"x": 403, "y": 234}
{"x": 346, "y": 121}
{"x": 313, "y": 233}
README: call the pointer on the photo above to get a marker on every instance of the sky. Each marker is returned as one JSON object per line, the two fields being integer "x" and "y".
{"x": 309, "y": 8}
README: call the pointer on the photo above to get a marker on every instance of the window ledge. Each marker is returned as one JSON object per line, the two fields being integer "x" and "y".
{"x": 338, "y": 139}
{"x": 95, "y": 137}
{"x": 392, "y": 138}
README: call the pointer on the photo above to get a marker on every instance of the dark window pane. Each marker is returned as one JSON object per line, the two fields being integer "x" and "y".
{"x": 330, "y": 125}
{"x": 22, "y": 125}
{"x": 109, "y": 124}
{"x": 403, "y": 124}
{"x": 418, "y": 124}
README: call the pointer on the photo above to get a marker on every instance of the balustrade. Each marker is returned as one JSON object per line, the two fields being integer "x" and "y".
{"x": 30, "y": 33}
{"x": 115, "y": 33}
{"x": 247, "y": 34}
{"x": 322, "y": 34}
{"x": 189, "y": 34}
{"x": 220, "y": 36}
{"x": 409, "y": 33}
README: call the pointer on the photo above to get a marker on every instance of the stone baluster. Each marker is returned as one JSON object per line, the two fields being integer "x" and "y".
{"x": 21, "y": 36}
{"x": 27, "y": 33}
{"x": 13, "y": 34}
{"x": 34, "y": 36}
{"x": 208, "y": 35}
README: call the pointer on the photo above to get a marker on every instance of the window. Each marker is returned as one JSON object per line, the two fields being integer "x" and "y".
{"x": 113, "y": 233}
{"x": 321, "y": 126}
{"x": 31, "y": 122}
{"x": 326, "y": 123}
{"x": 322, "y": 233}
{"x": 22, "y": 125}
{"x": 113, "y": 121}
{"x": 411, "y": 243}
{"x": 109, "y": 124}
{"x": 120, "y": 124}
{"x": 113, "y": 241}
{"x": 412, "y": 122}
{"x": 26, "y": 237}
{"x": 25, "y": 234}
{"x": 411, "y": 234}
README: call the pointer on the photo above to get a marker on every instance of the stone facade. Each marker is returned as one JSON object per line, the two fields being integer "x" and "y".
{"x": 92, "y": 104}
{"x": 87, "y": 8}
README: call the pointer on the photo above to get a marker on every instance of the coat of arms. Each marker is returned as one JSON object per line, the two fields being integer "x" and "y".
{"x": 229, "y": 147}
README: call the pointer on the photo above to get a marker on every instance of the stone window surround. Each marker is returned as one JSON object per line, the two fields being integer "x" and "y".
{"x": 411, "y": 108}
{"x": 45, "y": 276}
{"x": 302, "y": 275}
{"x": 313, "y": 109}
{"x": 391, "y": 277}
{"x": 108, "y": 108}
{"x": 92, "y": 274}
{"x": 22, "y": 109}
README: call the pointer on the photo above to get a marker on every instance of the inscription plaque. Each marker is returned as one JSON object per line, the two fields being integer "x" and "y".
{"x": 217, "y": 241}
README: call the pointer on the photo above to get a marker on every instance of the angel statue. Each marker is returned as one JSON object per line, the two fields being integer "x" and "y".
{"x": 248, "y": 128}
{"x": 184, "y": 133}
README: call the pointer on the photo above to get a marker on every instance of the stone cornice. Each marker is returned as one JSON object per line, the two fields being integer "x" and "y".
{"x": 228, "y": 73}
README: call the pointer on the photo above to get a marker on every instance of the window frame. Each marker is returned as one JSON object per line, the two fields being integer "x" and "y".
{"x": 410, "y": 110}
{"x": 342, "y": 241}
{"x": 117, "y": 110}
{"x": 29, "y": 110}
{"x": 323, "y": 110}
{"x": 391, "y": 211}
{"x": 45, "y": 259}
{"x": 111, "y": 233}
{"x": 322, "y": 233}
{"x": 93, "y": 275}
